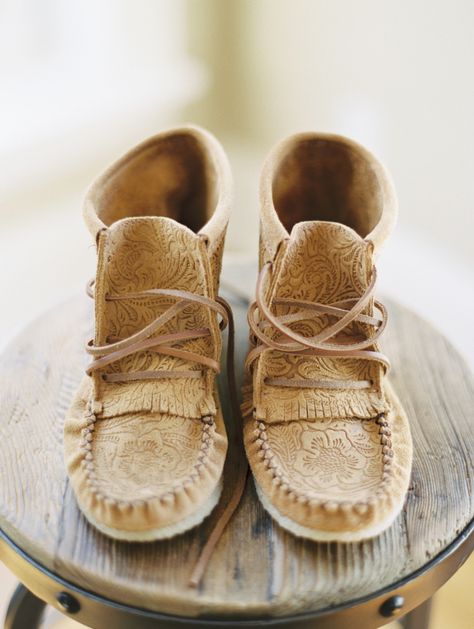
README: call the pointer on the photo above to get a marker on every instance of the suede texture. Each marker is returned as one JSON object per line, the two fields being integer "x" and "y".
{"x": 329, "y": 463}
{"x": 145, "y": 457}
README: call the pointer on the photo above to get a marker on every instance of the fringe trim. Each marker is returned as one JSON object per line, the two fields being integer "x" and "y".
{"x": 323, "y": 405}
{"x": 179, "y": 405}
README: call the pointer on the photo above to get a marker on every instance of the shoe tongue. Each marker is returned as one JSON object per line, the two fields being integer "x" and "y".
{"x": 137, "y": 255}
{"x": 154, "y": 252}
{"x": 323, "y": 263}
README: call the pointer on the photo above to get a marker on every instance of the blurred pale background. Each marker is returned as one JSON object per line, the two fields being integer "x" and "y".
{"x": 83, "y": 81}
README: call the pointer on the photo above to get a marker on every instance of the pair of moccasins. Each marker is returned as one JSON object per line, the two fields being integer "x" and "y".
{"x": 326, "y": 438}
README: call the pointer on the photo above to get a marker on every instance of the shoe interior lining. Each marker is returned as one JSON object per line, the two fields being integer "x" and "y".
{"x": 327, "y": 180}
{"x": 172, "y": 177}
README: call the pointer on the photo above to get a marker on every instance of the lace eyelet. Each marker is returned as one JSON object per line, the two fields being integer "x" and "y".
{"x": 205, "y": 239}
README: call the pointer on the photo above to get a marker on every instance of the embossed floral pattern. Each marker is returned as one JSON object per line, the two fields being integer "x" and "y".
{"x": 328, "y": 458}
{"x": 145, "y": 455}
{"x": 328, "y": 454}
{"x": 324, "y": 263}
{"x": 142, "y": 255}
{"x": 149, "y": 439}
{"x": 140, "y": 456}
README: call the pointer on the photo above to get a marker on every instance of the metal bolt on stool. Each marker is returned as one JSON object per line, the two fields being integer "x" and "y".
{"x": 68, "y": 603}
{"x": 391, "y": 606}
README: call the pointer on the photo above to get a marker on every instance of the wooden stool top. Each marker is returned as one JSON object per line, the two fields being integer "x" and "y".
{"x": 257, "y": 568}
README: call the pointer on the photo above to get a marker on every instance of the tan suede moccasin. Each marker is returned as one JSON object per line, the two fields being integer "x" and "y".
{"x": 144, "y": 438}
{"x": 327, "y": 440}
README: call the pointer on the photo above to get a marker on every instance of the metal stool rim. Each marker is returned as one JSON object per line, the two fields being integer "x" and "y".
{"x": 427, "y": 579}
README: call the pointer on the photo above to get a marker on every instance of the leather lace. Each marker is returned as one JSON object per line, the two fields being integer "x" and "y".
{"x": 164, "y": 344}
{"x": 274, "y": 332}
{"x": 116, "y": 349}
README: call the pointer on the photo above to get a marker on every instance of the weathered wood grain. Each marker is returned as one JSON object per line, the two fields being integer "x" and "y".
{"x": 257, "y": 568}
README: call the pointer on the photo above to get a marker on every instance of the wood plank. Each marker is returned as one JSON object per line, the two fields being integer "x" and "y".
{"x": 257, "y": 568}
